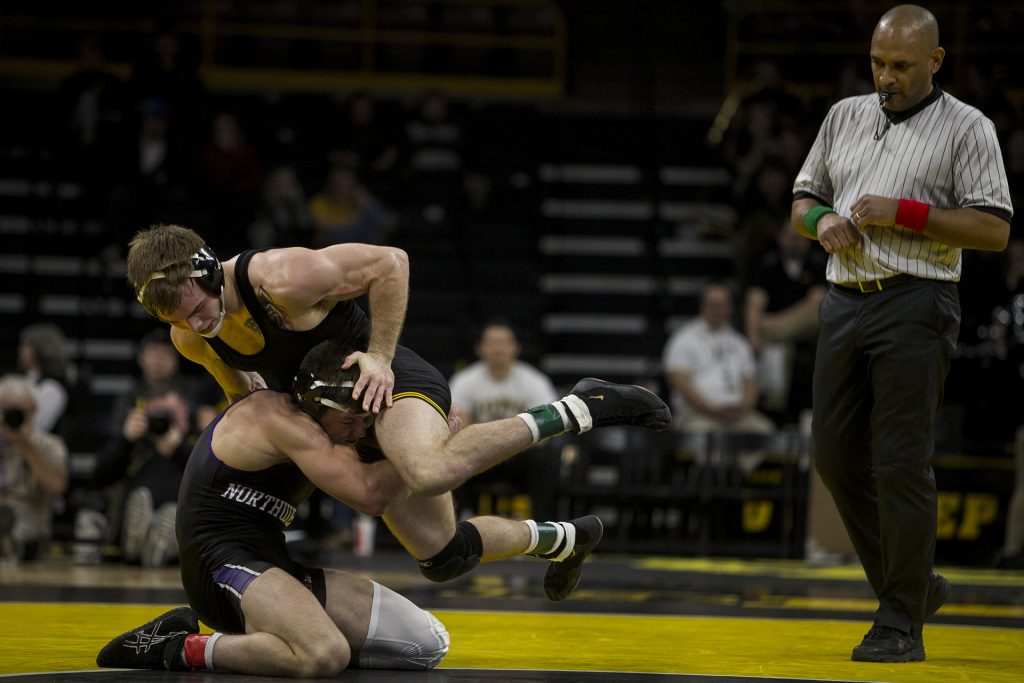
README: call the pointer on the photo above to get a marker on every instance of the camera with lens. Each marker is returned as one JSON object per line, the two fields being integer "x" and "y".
{"x": 14, "y": 417}
{"x": 159, "y": 422}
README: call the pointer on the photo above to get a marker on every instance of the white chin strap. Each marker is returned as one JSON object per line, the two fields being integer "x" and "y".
{"x": 220, "y": 322}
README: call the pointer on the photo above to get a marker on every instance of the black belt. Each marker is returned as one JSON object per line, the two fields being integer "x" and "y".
{"x": 872, "y": 286}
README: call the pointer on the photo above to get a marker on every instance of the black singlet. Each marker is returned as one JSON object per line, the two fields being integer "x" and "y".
{"x": 231, "y": 520}
{"x": 283, "y": 350}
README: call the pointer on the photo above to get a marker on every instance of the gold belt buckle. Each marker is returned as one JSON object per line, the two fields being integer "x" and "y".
{"x": 877, "y": 286}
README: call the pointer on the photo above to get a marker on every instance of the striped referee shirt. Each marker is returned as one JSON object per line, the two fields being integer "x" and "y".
{"x": 941, "y": 152}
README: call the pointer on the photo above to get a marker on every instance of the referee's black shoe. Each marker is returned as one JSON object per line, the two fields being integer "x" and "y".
{"x": 939, "y": 589}
{"x": 562, "y": 577}
{"x": 156, "y": 645}
{"x": 888, "y": 644}
{"x": 609, "y": 404}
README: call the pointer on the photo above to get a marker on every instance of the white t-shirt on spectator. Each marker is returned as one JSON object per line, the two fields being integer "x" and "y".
{"x": 488, "y": 399}
{"x": 51, "y": 401}
{"x": 718, "y": 360}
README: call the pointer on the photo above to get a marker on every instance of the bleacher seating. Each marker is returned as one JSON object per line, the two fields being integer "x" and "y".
{"x": 628, "y": 239}
{"x": 686, "y": 493}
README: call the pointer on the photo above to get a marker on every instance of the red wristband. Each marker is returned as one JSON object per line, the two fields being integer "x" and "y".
{"x": 912, "y": 215}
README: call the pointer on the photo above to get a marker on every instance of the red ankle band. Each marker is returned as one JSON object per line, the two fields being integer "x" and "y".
{"x": 195, "y": 650}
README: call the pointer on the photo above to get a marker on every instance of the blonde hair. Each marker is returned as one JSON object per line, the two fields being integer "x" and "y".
{"x": 163, "y": 249}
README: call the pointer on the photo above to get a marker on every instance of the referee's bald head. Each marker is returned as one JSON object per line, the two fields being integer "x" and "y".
{"x": 905, "y": 55}
{"x": 912, "y": 22}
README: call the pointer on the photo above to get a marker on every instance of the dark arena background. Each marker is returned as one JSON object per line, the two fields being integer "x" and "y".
{"x": 580, "y": 169}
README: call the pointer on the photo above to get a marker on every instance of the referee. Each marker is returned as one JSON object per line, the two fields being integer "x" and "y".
{"x": 894, "y": 187}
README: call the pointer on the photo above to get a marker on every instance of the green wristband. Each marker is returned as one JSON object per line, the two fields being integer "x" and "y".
{"x": 812, "y": 217}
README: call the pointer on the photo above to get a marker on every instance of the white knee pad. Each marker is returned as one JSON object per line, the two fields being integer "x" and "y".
{"x": 401, "y": 635}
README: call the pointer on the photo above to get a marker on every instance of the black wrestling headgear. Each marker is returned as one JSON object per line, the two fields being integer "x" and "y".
{"x": 207, "y": 271}
{"x": 314, "y": 395}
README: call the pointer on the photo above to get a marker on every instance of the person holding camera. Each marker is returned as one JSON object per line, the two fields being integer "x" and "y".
{"x": 33, "y": 469}
{"x": 157, "y": 360}
{"x": 143, "y": 466}
{"x": 43, "y": 358}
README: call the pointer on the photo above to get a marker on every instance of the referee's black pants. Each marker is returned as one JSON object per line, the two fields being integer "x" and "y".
{"x": 881, "y": 363}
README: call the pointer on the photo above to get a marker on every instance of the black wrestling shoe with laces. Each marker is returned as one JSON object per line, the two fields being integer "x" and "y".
{"x": 562, "y": 577}
{"x": 939, "y": 589}
{"x": 609, "y": 404}
{"x": 156, "y": 645}
{"x": 888, "y": 644}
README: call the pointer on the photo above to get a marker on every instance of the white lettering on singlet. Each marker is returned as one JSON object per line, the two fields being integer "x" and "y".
{"x": 278, "y": 509}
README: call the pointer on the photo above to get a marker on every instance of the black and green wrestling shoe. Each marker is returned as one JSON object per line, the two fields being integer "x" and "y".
{"x": 563, "y": 576}
{"x": 607, "y": 403}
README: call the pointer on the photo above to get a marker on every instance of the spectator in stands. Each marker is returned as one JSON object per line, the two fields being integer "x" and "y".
{"x": 43, "y": 357}
{"x": 366, "y": 144}
{"x": 434, "y": 154}
{"x": 781, "y": 321}
{"x": 233, "y": 175}
{"x": 757, "y": 132}
{"x": 159, "y": 371}
{"x": 499, "y": 385}
{"x": 156, "y": 170}
{"x": 711, "y": 371}
{"x": 764, "y": 149}
{"x": 758, "y": 208}
{"x": 93, "y": 111}
{"x": 33, "y": 470}
{"x": 434, "y": 139}
{"x": 283, "y": 219}
{"x": 167, "y": 73}
{"x": 345, "y": 211}
{"x": 142, "y": 466}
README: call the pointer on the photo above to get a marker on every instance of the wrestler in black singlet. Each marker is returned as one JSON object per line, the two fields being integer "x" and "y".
{"x": 283, "y": 350}
{"x": 230, "y": 527}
